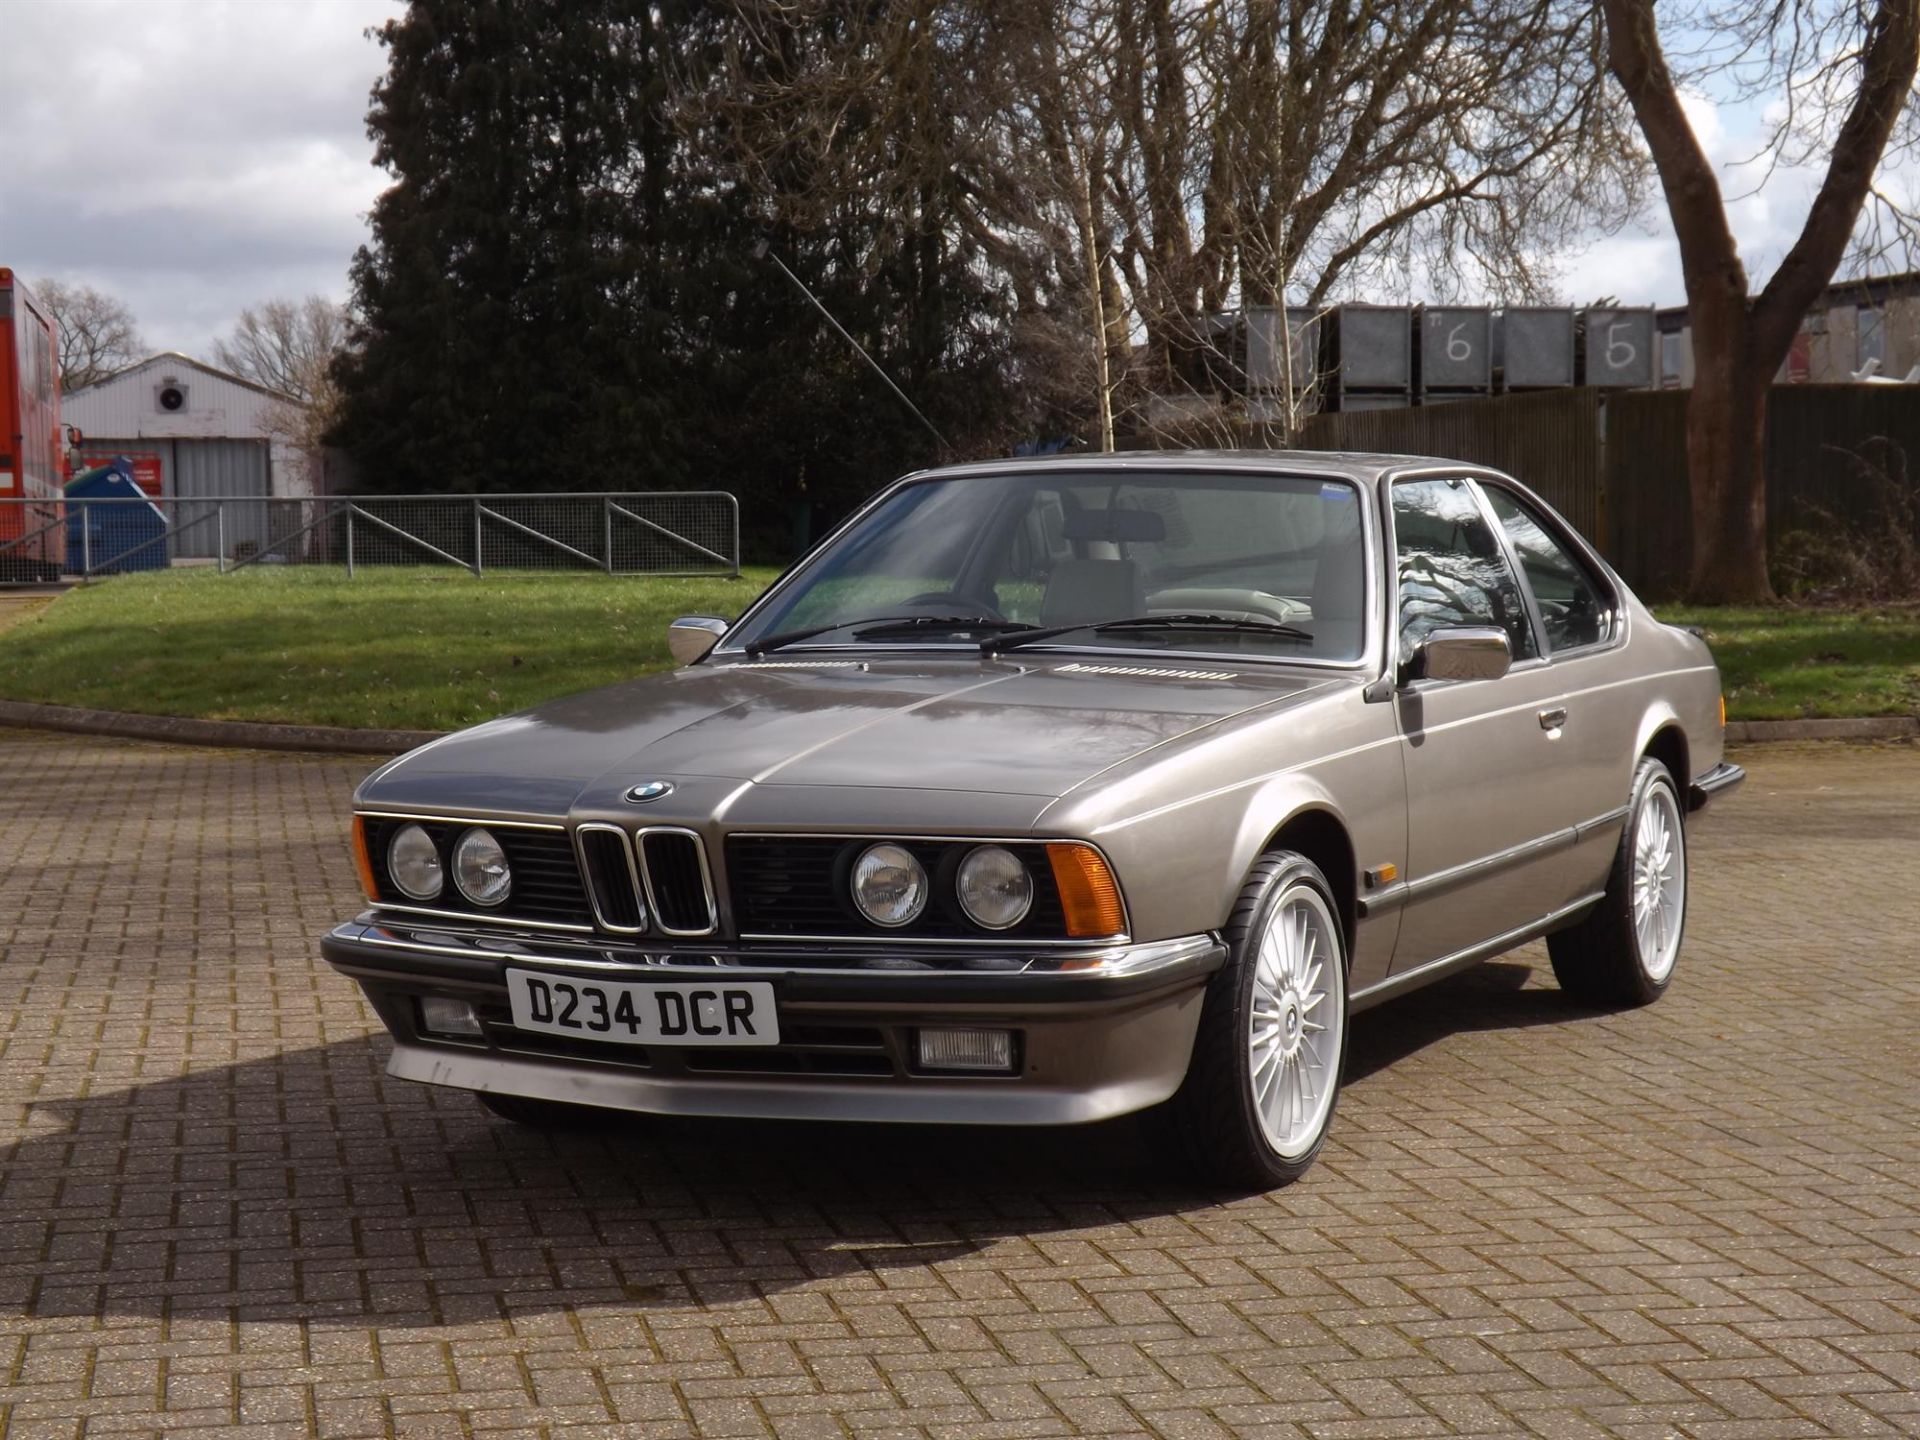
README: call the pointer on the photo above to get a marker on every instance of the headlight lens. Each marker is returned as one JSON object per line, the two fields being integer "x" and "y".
{"x": 996, "y": 890}
{"x": 889, "y": 885}
{"x": 480, "y": 868}
{"x": 414, "y": 863}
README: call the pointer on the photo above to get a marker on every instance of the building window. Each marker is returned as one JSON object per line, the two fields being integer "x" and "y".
{"x": 1671, "y": 348}
{"x": 1872, "y": 332}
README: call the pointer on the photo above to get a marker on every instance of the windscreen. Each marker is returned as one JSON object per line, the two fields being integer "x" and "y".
{"x": 1229, "y": 561}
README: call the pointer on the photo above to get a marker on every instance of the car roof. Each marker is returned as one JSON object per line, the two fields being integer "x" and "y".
{"x": 1348, "y": 465}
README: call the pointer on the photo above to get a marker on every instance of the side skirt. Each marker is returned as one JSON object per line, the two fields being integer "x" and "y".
{"x": 1396, "y": 985}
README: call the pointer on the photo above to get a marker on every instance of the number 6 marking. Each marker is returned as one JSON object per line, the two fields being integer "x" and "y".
{"x": 1458, "y": 346}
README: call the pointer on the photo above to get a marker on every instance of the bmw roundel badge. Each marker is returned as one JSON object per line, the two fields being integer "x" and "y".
{"x": 649, "y": 790}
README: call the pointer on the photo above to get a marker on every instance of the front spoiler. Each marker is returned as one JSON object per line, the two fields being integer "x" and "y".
{"x": 919, "y": 1101}
{"x": 1722, "y": 779}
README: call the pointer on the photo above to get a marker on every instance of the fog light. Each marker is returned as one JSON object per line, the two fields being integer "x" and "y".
{"x": 965, "y": 1050}
{"x": 441, "y": 1016}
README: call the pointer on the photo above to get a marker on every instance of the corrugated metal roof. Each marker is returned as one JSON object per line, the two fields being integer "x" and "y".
{"x": 219, "y": 405}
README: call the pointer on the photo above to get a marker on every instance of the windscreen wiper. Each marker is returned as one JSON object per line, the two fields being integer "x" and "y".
{"x": 881, "y": 625}
{"x": 1013, "y": 640}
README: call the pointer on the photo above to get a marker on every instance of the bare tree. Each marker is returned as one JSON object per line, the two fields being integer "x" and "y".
{"x": 1143, "y": 168}
{"x": 289, "y": 347}
{"x": 1843, "y": 77}
{"x": 97, "y": 332}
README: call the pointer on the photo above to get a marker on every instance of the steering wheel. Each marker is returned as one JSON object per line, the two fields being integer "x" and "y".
{"x": 967, "y": 603}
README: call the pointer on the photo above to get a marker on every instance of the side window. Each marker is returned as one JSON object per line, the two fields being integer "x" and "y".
{"x": 1452, "y": 570}
{"x": 1574, "y": 608}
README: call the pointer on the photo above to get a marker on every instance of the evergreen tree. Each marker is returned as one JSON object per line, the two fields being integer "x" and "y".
{"x": 562, "y": 289}
{"x": 517, "y": 304}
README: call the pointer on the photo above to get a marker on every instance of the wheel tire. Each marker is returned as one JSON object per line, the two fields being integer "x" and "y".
{"x": 1622, "y": 953}
{"x": 1217, "y": 1116}
{"x": 548, "y": 1115}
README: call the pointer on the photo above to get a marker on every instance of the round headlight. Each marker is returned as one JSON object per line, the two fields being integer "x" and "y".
{"x": 996, "y": 890}
{"x": 480, "y": 868}
{"x": 414, "y": 863}
{"x": 889, "y": 885}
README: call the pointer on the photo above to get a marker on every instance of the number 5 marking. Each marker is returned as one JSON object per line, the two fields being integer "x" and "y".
{"x": 1620, "y": 353}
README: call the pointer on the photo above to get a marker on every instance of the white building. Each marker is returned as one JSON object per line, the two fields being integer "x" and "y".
{"x": 193, "y": 430}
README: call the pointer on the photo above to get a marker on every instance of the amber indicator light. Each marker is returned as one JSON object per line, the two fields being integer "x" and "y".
{"x": 362, "y": 861}
{"x": 1088, "y": 893}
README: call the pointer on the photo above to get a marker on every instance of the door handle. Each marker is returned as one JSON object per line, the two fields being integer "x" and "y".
{"x": 1553, "y": 719}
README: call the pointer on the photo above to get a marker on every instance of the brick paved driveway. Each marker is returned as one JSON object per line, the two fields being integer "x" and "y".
{"x": 1697, "y": 1220}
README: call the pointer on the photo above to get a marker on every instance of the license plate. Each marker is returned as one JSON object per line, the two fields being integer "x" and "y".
{"x": 720, "y": 1013}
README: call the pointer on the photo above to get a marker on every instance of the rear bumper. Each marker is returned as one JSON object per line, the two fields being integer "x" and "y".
{"x": 1722, "y": 779}
{"x": 1100, "y": 1032}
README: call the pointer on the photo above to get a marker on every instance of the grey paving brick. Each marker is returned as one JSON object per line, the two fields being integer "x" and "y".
{"x": 217, "y": 1216}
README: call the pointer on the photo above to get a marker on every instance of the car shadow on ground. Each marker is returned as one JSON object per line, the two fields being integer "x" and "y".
{"x": 303, "y": 1185}
{"x": 1493, "y": 996}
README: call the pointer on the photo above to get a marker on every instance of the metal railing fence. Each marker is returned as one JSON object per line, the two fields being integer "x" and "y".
{"x": 665, "y": 532}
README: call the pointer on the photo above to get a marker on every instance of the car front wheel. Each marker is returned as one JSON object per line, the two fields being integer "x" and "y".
{"x": 1623, "y": 952}
{"x": 1260, "y": 1090}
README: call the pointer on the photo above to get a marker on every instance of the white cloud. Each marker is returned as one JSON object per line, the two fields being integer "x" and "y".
{"x": 192, "y": 158}
{"x": 1766, "y": 206}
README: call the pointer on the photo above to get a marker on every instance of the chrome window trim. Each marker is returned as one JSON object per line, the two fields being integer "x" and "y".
{"x": 1557, "y": 528}
{"x": 706, "y": 879}
{"x": 1529, "y": 602}
{"x": 1463, "y": 475}
{"x": 1123, "y": 936}
{"x": 1292, "y": 468}
{"x": 586, "y": 875}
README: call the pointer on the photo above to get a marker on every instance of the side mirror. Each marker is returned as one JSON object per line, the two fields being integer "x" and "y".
{"x": 691, "y": 636}
{"x": 1462, "y": 653}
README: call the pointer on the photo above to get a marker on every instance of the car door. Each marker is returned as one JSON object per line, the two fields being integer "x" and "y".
{"x": 1490, "y": 827}
{"x": 1579, "y": 615}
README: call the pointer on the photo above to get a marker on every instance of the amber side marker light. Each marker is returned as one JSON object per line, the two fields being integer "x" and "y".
{"x": 362, "y": 861}
{"x": 1723, "y": 712}
{"x": 1088, "y": 893}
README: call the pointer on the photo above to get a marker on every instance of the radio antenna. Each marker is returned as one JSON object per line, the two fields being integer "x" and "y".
{"x": 763, "y": 251}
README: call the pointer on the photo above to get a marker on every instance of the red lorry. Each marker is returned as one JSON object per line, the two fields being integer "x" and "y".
{"x": 32, "y": 529}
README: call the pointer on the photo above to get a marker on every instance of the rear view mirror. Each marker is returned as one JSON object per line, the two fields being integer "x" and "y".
{"x": 1462, "y": 653}
{"x": 691, "y": 636}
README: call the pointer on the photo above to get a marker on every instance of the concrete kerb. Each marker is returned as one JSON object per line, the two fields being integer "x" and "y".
{"x": 236, "y": 734}
{"x": 334, "y": 739}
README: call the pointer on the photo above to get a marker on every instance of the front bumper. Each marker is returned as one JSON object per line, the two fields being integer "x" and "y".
{"x": 1102, "y": 1031}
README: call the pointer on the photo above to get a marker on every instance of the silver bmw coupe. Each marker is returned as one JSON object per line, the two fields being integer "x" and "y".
{"x": 1048, "y": 791}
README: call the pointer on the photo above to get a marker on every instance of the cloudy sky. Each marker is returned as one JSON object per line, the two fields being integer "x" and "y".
{"x": 198, "y": 156}
{"x": 191, "y": 156}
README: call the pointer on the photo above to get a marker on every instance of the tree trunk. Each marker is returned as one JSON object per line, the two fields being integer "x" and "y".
{"x": 1738, "y": 343}
{"x": 1726, "y": 464}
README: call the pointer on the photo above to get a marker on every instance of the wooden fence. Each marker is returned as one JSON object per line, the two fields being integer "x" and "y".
{"x": 1614, "y": 462}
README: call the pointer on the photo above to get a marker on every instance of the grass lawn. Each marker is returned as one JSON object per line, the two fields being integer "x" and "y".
{"x": 436, "y": 649}
{"x": 406, "y": 649}
{"x": 1791, "y": 662}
